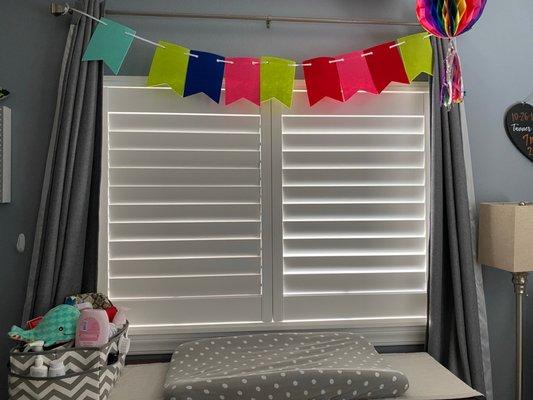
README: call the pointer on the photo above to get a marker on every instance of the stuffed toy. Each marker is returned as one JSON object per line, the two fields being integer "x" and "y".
{"x": 57, "y": 326}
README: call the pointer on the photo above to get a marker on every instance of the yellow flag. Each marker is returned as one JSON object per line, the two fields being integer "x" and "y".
{"x": 169, "y": 66}
{"x": 417, "y": 54}
{"x": 277, "y": 79}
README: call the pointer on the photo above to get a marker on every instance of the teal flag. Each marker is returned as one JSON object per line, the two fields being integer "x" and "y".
{"x": 110, "y": 43}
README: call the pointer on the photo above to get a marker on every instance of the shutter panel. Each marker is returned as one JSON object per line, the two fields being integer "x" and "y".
{"x": 184, "y": 214}
{"x": 350, "y": 208}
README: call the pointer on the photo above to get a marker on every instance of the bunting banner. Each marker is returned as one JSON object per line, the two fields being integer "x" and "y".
{"x": 169, "y": 66}
{"x": 354, "y": 74}
{"x": 417, "y": 55}
{"x": 110, "y": 43}
{"x": 242, "y": 79}
{"x": 204, "y": 74}
{"x": 385, "y": 65}
{"x": 322, "y": 79}
{"x": 277, "y": 79}
{"x": 189, "y": 72}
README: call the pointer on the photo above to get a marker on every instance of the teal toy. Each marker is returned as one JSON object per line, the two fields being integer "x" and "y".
{"x": 57, "y": 326}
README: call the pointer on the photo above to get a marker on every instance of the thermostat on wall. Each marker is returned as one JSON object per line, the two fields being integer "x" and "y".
{"x": 5, "y": 155}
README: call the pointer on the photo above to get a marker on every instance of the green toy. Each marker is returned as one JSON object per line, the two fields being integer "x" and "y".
{"x": 57, "y": 326}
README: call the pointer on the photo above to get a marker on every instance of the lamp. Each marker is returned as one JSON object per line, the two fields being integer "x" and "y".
{"x": 505, "y": 232}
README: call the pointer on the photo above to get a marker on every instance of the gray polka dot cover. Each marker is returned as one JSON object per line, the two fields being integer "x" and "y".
{"x": 276, "y": 366}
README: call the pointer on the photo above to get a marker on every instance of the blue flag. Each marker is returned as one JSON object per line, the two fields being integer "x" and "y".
{"x": 204, "y": 74}
{"x": 110, "y": 43}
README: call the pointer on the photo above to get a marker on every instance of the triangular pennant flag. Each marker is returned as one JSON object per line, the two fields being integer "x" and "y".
{"x": 385, "y": 65}
{"x": 417, "y": 54}
{"x": 242, "y": 79}
{"x": 322, "y": 79}
{"x": 110, "y": 43}
{"x": 204, "y": 74}
{"x": 354, "y": 74}
{"x": 169, "y": 66}
{"x": 277, "y": 79}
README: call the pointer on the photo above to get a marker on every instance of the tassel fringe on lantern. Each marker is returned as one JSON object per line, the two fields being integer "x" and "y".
{"x": 452, "y": 89}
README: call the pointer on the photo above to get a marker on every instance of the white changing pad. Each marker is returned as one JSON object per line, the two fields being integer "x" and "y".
{"x": 427, "y": 378}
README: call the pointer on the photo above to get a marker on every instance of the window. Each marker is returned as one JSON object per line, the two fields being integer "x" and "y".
{"x": 239, "y": 218}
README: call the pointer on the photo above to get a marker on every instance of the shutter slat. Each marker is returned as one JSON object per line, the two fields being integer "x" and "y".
{"x": 343, "y": 264}
{"x": 353, "y": 212}
{"x": 185, "y": 266}
{"x": 353, "y": 177}
{"x": 331, "y": 141}
{"x": 184, "y": 230}
{"x": 364, "y": 125}
{"x": 185, "y": 122}
{"x": 200, "y": 213}
{"x": 342, "y": 283}
{"x": 180, "y": 158}
{"x": 323, "y": 247}
{"x": 183, "y": 141}
{"x": 186, "y": 177}
{"x": 185, "y": 286}
{"x": 353, "y": 194}
{"x": 357, "y": 306}
{"x": 184, "y": 195}
{"x": 347, "y": 159}
{"x": 184, "y": 248}
{"x": 357, "y": 229}
{"x": 184, "y": 311}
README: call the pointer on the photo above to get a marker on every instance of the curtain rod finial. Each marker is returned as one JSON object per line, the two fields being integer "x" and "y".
{"x": 57, "y": 9}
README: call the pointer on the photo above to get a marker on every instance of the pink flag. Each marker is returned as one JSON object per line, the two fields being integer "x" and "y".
{"x": 354, "y": 74}
{"x": 242, "y": 79}
{"x": 386, "y": 65}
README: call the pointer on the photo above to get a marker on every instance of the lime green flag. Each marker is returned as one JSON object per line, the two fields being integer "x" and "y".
{"x": 277, "y": 79}
{"x": 417, "y": 54}
{"x": 169, "y": 66}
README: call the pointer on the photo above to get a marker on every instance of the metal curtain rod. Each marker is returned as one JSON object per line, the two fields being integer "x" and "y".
{"x": 60, "y": 9}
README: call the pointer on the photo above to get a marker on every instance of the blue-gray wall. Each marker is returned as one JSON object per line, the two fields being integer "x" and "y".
{"x": 495, "y": 58}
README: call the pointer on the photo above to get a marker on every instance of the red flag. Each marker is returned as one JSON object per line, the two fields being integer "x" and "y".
{"x": 242, "y": 79}
{"x": 386, "y": 65}
{"x": 322, "y": 79}
{"x": 354, "y": 74}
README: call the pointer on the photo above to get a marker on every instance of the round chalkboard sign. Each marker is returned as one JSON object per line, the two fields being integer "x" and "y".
{"x": 519, "y": 128}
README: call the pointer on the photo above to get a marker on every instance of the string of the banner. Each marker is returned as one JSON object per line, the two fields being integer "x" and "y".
{"x": 142, "y": 39}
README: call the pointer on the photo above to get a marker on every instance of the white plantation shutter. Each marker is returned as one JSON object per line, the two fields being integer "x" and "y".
{"x": 350, "y": 198}
{"x": 222, "y": 218}
{"x": 184, "y": 213}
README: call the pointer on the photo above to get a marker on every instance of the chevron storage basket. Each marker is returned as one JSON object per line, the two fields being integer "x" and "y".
{"x": 91, "y": 372}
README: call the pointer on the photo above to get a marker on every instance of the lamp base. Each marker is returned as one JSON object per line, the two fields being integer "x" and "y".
{"x": 519, "y": 282}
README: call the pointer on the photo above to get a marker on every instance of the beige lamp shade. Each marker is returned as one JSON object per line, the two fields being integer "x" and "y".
{"x": 506, "y": 236}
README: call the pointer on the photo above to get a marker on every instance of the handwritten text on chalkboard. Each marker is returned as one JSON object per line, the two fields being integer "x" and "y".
{"x": 519, "y": 128}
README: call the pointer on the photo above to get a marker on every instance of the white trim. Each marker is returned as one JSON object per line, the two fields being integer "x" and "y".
{"x": 164, "y": 343}
{"x": 266, "y": 214}
{"x": 103, "y": 253}
{"x": 277, "y": 208}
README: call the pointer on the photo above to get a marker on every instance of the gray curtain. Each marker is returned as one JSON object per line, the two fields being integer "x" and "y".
{"x": 65, "y": 245}
{"x": 457, "y": 333}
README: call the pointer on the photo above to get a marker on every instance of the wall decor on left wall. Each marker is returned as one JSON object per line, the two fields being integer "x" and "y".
{"x": 5, "y": 155}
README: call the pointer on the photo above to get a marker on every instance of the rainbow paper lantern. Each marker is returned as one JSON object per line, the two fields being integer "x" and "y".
{"x": 449, "y": 18}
